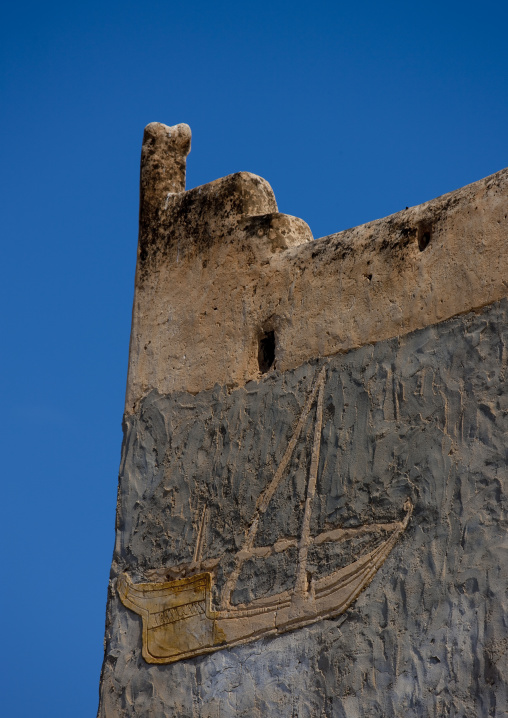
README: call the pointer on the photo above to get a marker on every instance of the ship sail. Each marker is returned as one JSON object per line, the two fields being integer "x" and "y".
{"x": 178, "y": 618}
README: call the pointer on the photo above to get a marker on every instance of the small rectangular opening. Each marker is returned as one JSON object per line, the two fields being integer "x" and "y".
{"x": 266, "y": 351}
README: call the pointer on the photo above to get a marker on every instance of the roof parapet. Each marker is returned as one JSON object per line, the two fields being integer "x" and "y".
{"x": 220, "y": 269}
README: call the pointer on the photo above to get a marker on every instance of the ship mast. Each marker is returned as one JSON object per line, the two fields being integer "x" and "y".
{"x": 265, "y": 498}
{"x": 301, "y": 586}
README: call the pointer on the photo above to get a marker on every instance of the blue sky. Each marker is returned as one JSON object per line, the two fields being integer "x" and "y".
{"x": 351, "y": 112}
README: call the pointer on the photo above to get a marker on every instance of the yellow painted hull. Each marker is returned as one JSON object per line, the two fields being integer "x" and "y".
{"x": 179, "y": 622}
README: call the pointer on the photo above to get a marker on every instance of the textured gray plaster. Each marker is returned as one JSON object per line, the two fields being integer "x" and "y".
{"x": 424, "y": 416}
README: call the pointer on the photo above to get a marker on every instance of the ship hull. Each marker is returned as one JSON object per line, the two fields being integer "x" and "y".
{"x": 179, "y": 622}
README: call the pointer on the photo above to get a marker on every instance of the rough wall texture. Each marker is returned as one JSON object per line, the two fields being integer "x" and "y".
{"x": 424, "y": 415}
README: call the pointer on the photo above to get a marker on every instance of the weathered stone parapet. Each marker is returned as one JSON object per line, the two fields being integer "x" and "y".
{"x": 163, "y": 162}
{"x": 218, "y": 267}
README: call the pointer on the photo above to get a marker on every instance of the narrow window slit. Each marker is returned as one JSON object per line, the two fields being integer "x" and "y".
{"x": 266, "y": 351}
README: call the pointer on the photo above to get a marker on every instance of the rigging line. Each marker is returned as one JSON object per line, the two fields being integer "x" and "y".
{"x": 265, "y": 498}
{"x": 301, "y": 578}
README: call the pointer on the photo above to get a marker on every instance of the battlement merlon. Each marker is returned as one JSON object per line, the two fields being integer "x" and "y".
{"x": 218, "y": 267}
{"x": 163, "y": 162}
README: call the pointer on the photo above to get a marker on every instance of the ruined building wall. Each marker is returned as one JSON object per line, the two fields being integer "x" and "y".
{"x": 346, "y": 397}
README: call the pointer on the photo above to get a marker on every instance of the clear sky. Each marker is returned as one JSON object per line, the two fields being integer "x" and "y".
{"x": 350, "y": 111}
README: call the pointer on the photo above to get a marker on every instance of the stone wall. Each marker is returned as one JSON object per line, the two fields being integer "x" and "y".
{"x": 237, "y": 314}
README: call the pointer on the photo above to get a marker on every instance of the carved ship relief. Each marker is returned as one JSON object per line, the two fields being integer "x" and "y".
{"x": 178, "y": 618}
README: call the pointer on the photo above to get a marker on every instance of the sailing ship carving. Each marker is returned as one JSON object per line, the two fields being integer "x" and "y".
{"x": 179, "y": 620}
